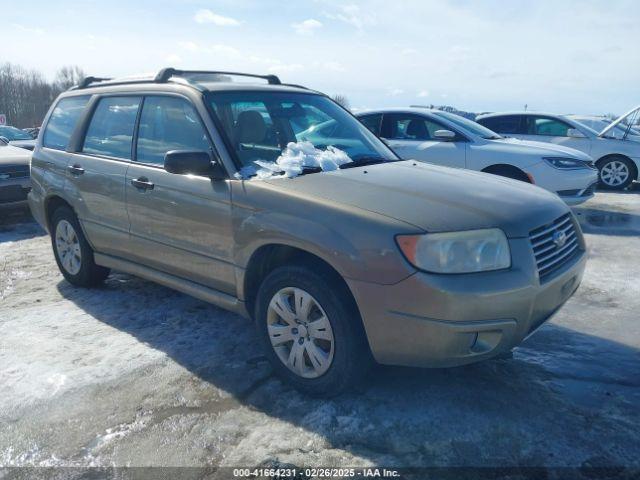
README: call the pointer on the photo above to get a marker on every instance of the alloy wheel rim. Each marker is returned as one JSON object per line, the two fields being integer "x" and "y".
{"x": 300, "y": 332}
{"x": 68, "y": 247}
{"x": 614, "y": 173}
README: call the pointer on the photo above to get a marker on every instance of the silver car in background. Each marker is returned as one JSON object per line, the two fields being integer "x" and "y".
{"x": 14, "y": 175}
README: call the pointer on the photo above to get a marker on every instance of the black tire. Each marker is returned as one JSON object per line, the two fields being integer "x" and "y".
{"x": 612, "y": 161}
{"x": 89, "y": 274}
{"x": 351, "y": 356}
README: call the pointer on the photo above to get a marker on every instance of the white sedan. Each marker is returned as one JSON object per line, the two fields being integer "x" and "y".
{"x": 446, "y": 139}
{"x": 617, "y": 159}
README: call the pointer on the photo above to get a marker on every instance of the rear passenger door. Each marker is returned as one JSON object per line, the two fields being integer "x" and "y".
{"x": 96, "y": 172}
{"x": 411, "y": 137}
{"x": 180, "y": 224}
{"x": 543, "y": 128}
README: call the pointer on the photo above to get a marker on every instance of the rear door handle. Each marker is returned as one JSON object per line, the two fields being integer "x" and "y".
{"x": 142, "y": 183}
{"x": 75, "y": 169}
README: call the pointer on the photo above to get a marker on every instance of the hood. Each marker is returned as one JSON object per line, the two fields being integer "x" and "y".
{"x": 618, "y": 120}
{"x": 433, "y": 198}
{"x": 544, "y": 149}
{"x": 27, "y": 144}
{"x": 10, "y": 155}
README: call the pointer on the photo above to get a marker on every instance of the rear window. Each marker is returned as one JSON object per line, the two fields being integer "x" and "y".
{"x": 63, "y": 121}
{"x": 110, "y": 132}
{"x": 504, "y": 124}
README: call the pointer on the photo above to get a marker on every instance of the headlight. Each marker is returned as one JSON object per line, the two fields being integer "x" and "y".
{"x": 457, "y": 252}
{"x": 566, "y": 163}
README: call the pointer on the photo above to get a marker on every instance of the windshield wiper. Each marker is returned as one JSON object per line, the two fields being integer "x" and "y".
{"x": 362, "y": 161}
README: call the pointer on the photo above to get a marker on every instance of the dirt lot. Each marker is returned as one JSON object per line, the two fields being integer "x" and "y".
{"x": 134, "y": 374}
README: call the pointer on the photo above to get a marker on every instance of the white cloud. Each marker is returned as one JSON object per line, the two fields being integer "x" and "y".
{"x": 28, "y": 30}
{"x": 307, "y": 27}
{"x": 354, "y": 16}
{"x": 409, "y": 51}
{"x": 285, "y": 68}
{"x": 191, "y": 46}
{"x": 394, "y": 92}
{"x": 218, "y": 48}
{"x": 207, "y": 16}
{"x": 173, "y": 59}
{"x": 423, "y": 93}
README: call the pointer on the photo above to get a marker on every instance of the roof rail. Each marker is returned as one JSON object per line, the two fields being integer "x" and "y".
{"x": 86, "y": 81}
{"x": 166, "y": 73}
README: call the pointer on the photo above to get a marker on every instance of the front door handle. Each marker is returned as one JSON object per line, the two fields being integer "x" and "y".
{"x": 142, "y": 183}
{"x": 75, "y": 169}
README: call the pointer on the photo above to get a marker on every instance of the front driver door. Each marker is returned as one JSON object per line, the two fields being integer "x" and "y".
{"x": 541, "y": 128}
{"x": 180, "y": 224}
{"x": 411, "y": 137}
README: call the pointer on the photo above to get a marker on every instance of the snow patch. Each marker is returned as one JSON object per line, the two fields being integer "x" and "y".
{"x": 293, "y": 160}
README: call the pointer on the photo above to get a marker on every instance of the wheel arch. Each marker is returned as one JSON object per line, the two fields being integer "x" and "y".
{"x": 634, "y": 163}
{"x": 51, "y": 204}
{"x": 273, "y": 255}
{"x": 501, "y": 168}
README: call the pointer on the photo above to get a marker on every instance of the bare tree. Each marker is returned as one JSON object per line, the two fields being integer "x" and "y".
{"x": 25, "y": 95}
{"x": 341, "y": 99}
{"x": 68, "y": 76}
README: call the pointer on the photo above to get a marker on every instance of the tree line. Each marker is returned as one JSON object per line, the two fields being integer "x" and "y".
{"x": 26, "y": 95}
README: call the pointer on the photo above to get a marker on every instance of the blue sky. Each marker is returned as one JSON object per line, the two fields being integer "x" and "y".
{"x": 484, "y": 55}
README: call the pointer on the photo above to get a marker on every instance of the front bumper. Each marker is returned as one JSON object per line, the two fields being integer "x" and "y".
{"x": 432, "y": 320}
{"x": 14, "y": 190}
{"x": 572, "y": 186}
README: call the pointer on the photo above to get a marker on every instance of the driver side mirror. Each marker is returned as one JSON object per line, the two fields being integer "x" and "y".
{"x": 185, "y": 162}
{"x": 444, "y": 135}
{"x": 574, "y": 133}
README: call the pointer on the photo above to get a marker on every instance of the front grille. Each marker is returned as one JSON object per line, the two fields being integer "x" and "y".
{"x": 14, "y": 171}
{"x": 549, "y": 250}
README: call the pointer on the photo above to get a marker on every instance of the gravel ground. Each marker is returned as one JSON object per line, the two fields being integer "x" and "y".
{"x": 134, "y": 374}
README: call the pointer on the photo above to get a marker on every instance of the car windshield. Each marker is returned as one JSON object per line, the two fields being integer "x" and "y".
{"x": 262, "y": 126}
{"x": 470, "y": 126}
{"x": 13, "y": 133}
{"x": 599, "y": 125}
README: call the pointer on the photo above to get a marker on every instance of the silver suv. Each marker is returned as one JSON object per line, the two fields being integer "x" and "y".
{"x": 340, "y": 252}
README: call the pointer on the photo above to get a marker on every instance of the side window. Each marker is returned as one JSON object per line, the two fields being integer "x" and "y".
{"x": 548, "y": 127}
{"x": 255, "y": 134}
{"x": 110, "y": 132}
{"x": 412, "y": 127}
{"x": 372, "y": 122}
{"x": 63, "y": 121}
{"x": 507, "y": 124}
{"x": 168, "y": 123}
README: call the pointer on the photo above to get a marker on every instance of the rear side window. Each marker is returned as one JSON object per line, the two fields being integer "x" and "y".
{"x": 507, "y": 124}
{"x": 549, "y": 127}
{"x": 168, "y": 123}
{"x": 412, "y": 127}
{"x": 372, "y": 122}
{"x": 63, "y": 122}
{"x": 110, "y": 132}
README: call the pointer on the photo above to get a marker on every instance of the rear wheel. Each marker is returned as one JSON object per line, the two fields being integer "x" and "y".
{"x": 616, "y": 172}
{"x": 311, "y": 332}
{"x": 73, "y": 254}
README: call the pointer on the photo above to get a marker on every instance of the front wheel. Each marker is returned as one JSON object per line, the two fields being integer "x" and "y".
{"x": 311, "y": 332}
{"x": 73, "y": 254}
{"x": 616, "y": 173}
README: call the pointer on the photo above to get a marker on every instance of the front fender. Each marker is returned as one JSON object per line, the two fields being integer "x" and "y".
{"x": 358, "y": 244}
